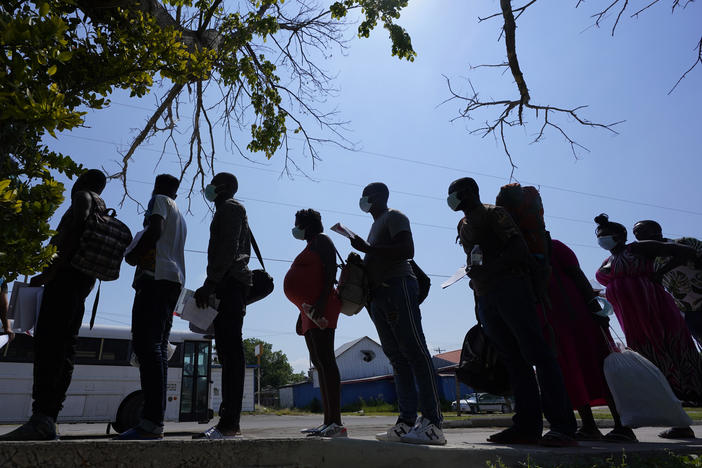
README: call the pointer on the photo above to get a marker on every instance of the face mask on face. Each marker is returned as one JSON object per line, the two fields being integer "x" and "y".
{"x": 453, "y": 201}
{"x": 298, "y": 233}
{"x": 365, "y": 204}
{"x": 211, "y": 192}
{"x": 607, "y": 242}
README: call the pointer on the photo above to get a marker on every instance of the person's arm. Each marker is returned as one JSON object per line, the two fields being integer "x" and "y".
{"x": 154, "y": 229}
{"x": 654, "y": 249}
{"x": 325, "y": 248}
{"x": 401, "y": 247}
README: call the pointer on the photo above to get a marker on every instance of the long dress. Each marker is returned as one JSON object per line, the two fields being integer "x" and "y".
{"x": 652, "y": 324}
{"x": 303, "y": 284}
{"x": 581, "y": 344}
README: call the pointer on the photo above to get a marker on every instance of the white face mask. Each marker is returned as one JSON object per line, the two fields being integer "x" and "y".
{"x": 365, "y": 204}
{"x": 211, "y": 192}
{"x": 453, "y": 201}
{"x": 298, "y": 233}
{"x": 607, "y": 242}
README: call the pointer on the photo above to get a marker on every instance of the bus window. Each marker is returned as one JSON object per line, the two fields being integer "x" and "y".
{"x": 88, "y": 350}
{"x": 115, "y": 351}
{"x": 21, "y": 349}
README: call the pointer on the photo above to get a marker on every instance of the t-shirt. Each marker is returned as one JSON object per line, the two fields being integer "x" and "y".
{"x": 491, "y": 228}
{"x": 684, "y": 283}
{"x": 170, "y": 247}
{"x": 382, "y": 232}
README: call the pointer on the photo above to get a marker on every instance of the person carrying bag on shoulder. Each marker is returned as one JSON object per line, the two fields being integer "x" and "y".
{"x": 229, "y": 280}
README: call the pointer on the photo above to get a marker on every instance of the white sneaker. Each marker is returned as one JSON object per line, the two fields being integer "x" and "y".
{"x": 395, "y": 433}
{"x": 314, "y": 430}
{"x": 215, "y": 434}
{"x": 425, "y": 433}
{"x": 332, "y": 431}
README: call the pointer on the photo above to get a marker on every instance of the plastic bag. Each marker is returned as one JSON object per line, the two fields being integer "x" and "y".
{"x": 642, "y": 393}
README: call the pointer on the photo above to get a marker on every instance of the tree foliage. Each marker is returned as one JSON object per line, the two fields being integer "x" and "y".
{"x": 259, "y": 59}
{"x": 275, "y": 368}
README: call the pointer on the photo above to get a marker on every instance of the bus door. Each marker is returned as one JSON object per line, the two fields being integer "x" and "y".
{"x": 195, "y": 385}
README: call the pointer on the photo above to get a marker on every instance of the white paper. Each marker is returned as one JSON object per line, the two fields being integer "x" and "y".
{"x": 343, "y": 230}
{"x": 25, "y": 304}
{"x": 460, "y": 274}
{"x": 134, "y": 242}
{"x": 187, "y": 309}
{"x": 4, "y": 339}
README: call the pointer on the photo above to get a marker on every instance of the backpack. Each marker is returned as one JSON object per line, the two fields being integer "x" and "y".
{"x": 353, "y": 287}
{"x": 525, "y": 206}
{"x": 423, "y": 281}
{"x": 102, "y": 243}
{"x": 480, "y": 367}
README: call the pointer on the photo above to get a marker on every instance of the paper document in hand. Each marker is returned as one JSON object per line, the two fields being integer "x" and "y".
{"x": 460, "y": 273}
{"x": 134, "y": 242}
{"x": 25, "y": 304}
{"x": 187, "y": 309}
{"x": 343, "y": 230}
{"x": 4, "y": 339}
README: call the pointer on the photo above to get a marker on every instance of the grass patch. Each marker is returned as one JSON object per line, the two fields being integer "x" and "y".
{"x": 664, "y": 460}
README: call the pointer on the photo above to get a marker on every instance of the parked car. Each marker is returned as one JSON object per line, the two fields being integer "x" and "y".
{"x": 485, "y": 403}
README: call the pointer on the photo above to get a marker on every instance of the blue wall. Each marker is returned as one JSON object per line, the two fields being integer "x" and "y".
{"x": 304, "y": 393}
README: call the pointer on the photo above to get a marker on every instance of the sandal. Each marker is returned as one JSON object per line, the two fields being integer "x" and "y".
{"x": 588, "y": 434}
{"x": 622, "y": 435}
{"x": 512, "y": 436}
{"x": 557, "y": 439}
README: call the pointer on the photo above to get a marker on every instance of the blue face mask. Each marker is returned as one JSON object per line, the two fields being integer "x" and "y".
{"x": 364, "y": 204}
{"x": 453, "y": 201}
{"x": 211, "y": 192}
{"x": 607, "y": 242}
{"x": 298, "y": 233}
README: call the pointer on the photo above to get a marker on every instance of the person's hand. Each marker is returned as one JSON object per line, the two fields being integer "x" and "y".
{"x": 202, "y": 295}
{"x": 317, "y": 311}
{"x": 360, "y": 244}
{"x": 476, "y": 272}
{"x": 131, "y": 258}
{"x": 10, "y": 334}
{"x": 593, "y": 306}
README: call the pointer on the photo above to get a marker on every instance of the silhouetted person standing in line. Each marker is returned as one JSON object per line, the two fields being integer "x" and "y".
{"x": 229, "y": 279}
{"x": 507, "y": 313}
{"x": 157, "y": 291}
{"x": 61, "y": 313}
{"x": 394, "y": 309}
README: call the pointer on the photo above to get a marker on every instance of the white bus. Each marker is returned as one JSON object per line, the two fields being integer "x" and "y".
{"x": 105, "y": 387}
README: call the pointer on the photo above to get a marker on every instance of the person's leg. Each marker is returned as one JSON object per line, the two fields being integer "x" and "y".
{"x": 694, "y": 324}
{"x": 230, "y": 350}
{"x": 55, "y": 339}
{"x": 384, "y": 314}
{"x": 588, "y": 430}
{"x": 412, "y": 344}
{"x": 527, "y": 419}
{"x": 311, "y": 339}
{"x": 519, "y": 314}
{"x": 332, "y": 381}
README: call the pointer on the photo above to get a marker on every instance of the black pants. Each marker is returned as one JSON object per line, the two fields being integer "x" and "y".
{"x": 152, "y": 317}
{"x": 55, "y": 338}
{"x": 230, "y": 351}
{"x": 321, "y": 346}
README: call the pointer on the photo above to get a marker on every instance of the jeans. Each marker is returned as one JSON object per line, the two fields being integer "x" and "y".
{"x": 152, "y": 317}
{"x": 510, "y": 320}
{"x": 694, "y": 324}
{"x": 395, "y": 313}
{"x": 230, "y": 351}
{"x": 55, "y": 338}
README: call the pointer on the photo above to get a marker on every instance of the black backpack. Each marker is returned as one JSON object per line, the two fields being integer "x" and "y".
{"x": 480, "y": 367}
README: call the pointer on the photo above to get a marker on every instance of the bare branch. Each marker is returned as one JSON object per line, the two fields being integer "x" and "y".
{"x": 697, "y": 62}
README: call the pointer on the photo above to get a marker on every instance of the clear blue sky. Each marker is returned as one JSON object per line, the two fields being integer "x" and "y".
{"x": 408, "y": 142}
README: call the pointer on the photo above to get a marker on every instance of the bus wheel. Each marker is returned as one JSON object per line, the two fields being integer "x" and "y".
{"x": 129, "y": 412}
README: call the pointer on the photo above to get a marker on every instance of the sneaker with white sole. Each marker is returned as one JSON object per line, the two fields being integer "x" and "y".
{"x": 314, "y": 430}
{"x": 333, "y": 430}
{"x": 214, "y": 433}
{"x": 395, "y": 433}
{"x": 425, "y": 433}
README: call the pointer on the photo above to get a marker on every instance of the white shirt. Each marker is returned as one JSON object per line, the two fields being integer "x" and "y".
{"x": 170, "y": 247}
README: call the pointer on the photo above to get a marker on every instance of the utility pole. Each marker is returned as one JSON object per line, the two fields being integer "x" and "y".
{"x": 259, "y": 351}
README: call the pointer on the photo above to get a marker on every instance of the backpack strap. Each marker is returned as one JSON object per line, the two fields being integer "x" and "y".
{"x": 95, "y": 306}
{"x": 256, "y": 249}
{"x": 343, "y": 264}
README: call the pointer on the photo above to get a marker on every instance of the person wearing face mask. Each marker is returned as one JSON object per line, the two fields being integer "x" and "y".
{"x": 394, "y": 309}
{"x": 683, "y": 280}
{"x": 309, "y": 284}
{"x": 228, "y": 279}
{"x": 652, "y": 324}
{"x": 507, "y": 312}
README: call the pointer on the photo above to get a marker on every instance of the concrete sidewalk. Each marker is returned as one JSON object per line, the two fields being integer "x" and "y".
{"x": 276, "y": 441}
